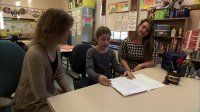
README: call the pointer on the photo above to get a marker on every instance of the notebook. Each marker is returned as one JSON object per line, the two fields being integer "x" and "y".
{"x": 131, "y": 86}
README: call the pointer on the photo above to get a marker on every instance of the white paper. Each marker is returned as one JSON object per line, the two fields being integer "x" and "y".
{"x": 118, "y": 25}
{"x": 78, "y": 31}
{"x": 78, "y": 12}
{"x": 124, "y": 26}
{"x": 132, "y": 15}
{"x": 73, "y": 32}
{"x": 125, "y": 16}
{"x": 78, "y": 18}
{"x": 130, "y": 86}
{"x": 103, "y": 20}
{"x": 78, "y": 26}
{"x": 132, "y": 21}
{"x": 74, "y": 26}
{"x": 110, "y": 22}
{"x": 118, "y": 16}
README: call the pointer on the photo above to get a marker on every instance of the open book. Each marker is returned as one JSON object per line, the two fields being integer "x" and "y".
{"x": 130, "y": 86}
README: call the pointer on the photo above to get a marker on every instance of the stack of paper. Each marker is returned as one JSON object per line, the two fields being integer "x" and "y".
{"x": 141, "y": 83}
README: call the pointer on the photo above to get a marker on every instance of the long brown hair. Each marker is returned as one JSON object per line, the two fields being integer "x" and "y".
{"x": 52, "y": 26}
{"x": 147, "y": 40}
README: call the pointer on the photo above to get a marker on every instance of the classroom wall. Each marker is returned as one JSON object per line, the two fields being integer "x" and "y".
{"x": 195, "y": 18}
{"x": 40, "y": 4}
{"x": 194, "y": 15}
{"x": 109, "y": 17}
{"x": 98, "y": 9}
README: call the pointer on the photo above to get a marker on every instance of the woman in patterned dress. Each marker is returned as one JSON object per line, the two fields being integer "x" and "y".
{"x": 139, "y": 50}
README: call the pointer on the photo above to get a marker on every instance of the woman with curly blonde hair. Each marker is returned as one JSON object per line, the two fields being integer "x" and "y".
{"x": 42, "y": 63}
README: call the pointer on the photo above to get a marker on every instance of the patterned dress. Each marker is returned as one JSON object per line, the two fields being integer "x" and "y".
{"x": 133, "y": 52}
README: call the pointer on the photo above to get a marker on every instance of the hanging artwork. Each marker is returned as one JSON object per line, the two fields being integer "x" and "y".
{"x": 20, "y": 12}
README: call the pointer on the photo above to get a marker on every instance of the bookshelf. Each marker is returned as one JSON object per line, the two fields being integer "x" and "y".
{"x": 168, "y": 43}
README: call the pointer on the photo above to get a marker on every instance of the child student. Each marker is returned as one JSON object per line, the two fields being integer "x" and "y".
{"x": 100, "y": 59}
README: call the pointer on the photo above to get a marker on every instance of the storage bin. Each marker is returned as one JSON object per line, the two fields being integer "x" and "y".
{"x": 185, "y": 12}
{"x": 170, "y": 56}
{"x": 160, "y": 14}
{"x": 163, "y": 27}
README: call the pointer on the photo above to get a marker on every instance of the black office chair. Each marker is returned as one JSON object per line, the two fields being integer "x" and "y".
{"x": 78, "y": 63}
{"x": 11, "y": 60}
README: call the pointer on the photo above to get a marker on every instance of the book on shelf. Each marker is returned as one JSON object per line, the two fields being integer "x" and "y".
{"x": 192, "y": 40}
{"x": 141, "y": 83}
{"x": 173, "y": 46}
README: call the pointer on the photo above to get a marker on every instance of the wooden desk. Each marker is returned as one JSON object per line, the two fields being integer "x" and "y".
{"x": 66, "y": 48}
{"x": 97, "y": 98}
{"x": 66, "y": 51}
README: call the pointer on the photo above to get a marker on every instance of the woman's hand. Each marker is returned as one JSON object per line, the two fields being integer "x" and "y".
{"x": 129, "y": 74}
{"x": 138, "y": 67}
{"x": 104, "y": 80}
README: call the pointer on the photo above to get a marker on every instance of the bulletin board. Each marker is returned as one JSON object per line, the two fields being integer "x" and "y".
{"x": 17, "y": 26}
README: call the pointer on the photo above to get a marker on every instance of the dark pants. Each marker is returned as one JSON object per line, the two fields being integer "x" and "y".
{"x": 84, "y": 82}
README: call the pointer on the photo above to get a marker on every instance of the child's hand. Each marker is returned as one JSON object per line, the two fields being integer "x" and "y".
{"x": 129, "y": 74}
{"x": 104, "y": 80}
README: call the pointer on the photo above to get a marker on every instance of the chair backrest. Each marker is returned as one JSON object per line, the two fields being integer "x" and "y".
{"x": 11, "y": 60}
{"x": 78, "y": 58}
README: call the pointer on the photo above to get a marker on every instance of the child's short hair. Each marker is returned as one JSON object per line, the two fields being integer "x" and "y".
{"x": 102, "y": 30}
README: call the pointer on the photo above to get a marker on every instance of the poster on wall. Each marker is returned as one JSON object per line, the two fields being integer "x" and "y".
{"x": 146, "y": 4}
{"x": 87, "y": 21}
{"x": 20, "y": 12}
{"x": 118, "y": 7}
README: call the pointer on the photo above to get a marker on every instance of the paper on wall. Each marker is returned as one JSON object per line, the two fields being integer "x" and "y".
{"x": 125, "y": 16}
{"x": 118, "y": 25}
{"x": 124, "y": 26}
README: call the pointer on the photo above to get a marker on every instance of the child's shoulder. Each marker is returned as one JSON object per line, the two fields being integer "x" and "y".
{"x": 91, "y": 49}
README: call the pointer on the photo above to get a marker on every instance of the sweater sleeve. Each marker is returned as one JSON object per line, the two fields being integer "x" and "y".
{"x": 59, "y": 73}
{"x": 62, "y": 82}
{"x": 116, "y": 66}
{"x": 36, "y": 75}
{"x": 90, "y": 65}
